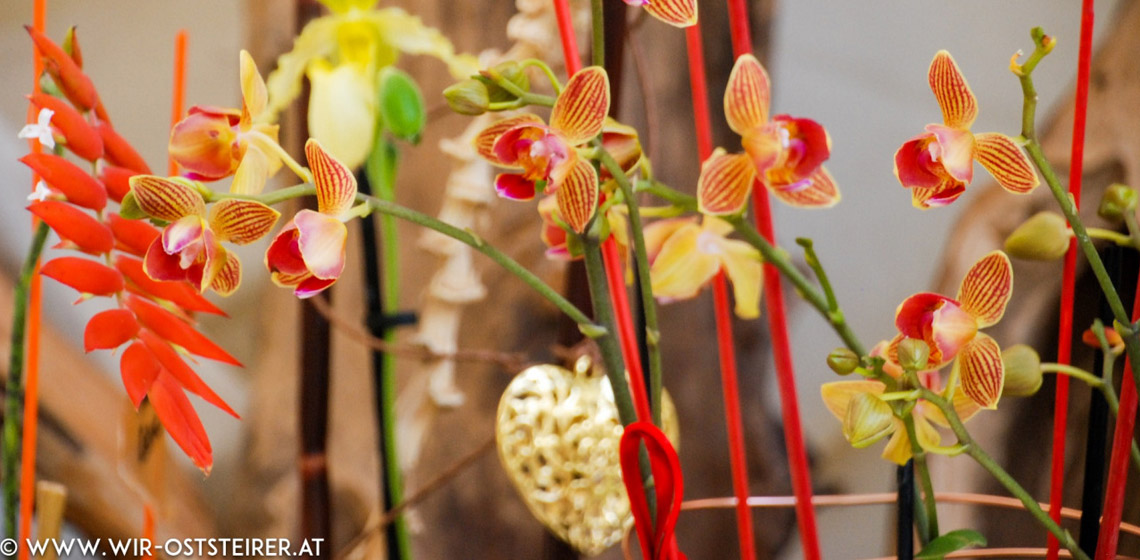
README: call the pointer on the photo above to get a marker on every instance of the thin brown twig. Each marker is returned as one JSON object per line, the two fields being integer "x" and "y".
{"x": 506, "y": 360}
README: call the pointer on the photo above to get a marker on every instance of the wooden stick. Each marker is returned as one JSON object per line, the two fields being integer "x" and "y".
{"x": 51, "y": 497}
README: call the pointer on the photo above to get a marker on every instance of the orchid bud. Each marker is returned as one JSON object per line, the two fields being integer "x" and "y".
{"x": 1115, "y": 342}
{"x": 1044, "y": 237}
{"x": 1118, "y": 200}
{"x": 401, "y": 105}
{"x": 842, "y": 361}
{"x": 468, "y": 97}
{"x": 868, "y": 420}
{"x": 1022, "y": 371}
{"x": 512, "y": 72}
{"x": 913, "y": 354}
{"x": 129, "y": 207}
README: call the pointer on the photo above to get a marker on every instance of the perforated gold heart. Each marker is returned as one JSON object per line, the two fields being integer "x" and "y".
{"x": 558, "y": 433}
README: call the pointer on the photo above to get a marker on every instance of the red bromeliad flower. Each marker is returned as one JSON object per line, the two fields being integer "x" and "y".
{"x": 938, "y": 164}
{"x": 308, "y": 254}
{"x": 678, "y": 13}
{"x": 785, "y": 153}
{"x": 213, "y": 143}
{"x": 548, "y": 155}
{"x": 190, "y": 248}
{"x": 949, "y": 327}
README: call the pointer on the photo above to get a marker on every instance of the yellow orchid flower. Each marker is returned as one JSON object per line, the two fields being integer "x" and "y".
{"x": 341, "y": 54}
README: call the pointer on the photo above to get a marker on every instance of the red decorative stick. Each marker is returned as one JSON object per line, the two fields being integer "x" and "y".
{"x": 1068, "y": 281}
{"x": 178, "y": 94}
{"x": 32, "y": 342}
{"x": 1118, "y": 463}
{"x": 725, "y": 347}
{"x": 778, "y": 328}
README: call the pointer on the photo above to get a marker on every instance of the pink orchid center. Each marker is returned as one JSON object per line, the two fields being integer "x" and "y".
{"x": 536, "y": 149}
{"x": 787, "y": 150}
{"x": 939, "y": 321}
{"x": 954, "y": 152}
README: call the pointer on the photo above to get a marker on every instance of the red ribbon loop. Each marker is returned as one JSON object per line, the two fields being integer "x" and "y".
{"x": 657, "y": 542}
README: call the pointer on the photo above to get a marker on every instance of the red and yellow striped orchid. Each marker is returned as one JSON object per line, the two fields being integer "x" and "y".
{"x": 212, "y": 143}
{"x": 548, "y": 155}
{"x": 784, "y": 153}
{"x": 190, "y": 247}
{"x": 308, "y": 254}
{"x": 684, "y": 256}
{"x": 950, "y": 327}
{"x": 938, "y": 164}
{"x": 555, "y": 237}
{"x": 678, "y": 13}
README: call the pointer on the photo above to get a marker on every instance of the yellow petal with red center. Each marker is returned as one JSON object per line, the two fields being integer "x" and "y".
{"x": 229, "y": 277}
{"x": 321, "y": 240}
{"x": 955, "y": 151}
{"x": 581, "y": 108}
{"x": 336, "y": 185}
{"x": 817, "y": 190}
{"x": 681, "y": 269}
{"x": 748, "y": 95}
{"x": 342, "y": 110}
{"x": 1006, "y": 161}
{"x": 678, "y": 13}
{"x": 837, "y": 395}
{"x": 958, "y": 104}
{"x": 725, "y": 183}
{"x": 241, "y": 221}
{"x": 485, "y": 140}
{"x": 251, "y": 173}
{"x": 253, "y": 93}
{"x": 982, "y": 371}
{"x": 741, "y": 262}
{"x": 945, "y": 193}
{"x": 167, "y": 199}
{"x": 986, "y": 288}
{"x": 578, "y": 196}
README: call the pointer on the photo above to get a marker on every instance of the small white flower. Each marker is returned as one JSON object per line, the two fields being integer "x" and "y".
{"x": 41, "y": 130}
{"x": 41, "y": 193}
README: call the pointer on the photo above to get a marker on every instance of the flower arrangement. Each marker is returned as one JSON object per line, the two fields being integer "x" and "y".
{"x": 593, "y": 451}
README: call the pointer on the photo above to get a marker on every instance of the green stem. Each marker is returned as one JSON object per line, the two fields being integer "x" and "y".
{"x": 524, "y": 96}
{"x": 14, "y": 391}
{"x": 1108, "y": 366}
{"x": 930, "y": 509}
{"x": 982, "y": 458}
{"x": 1074, "y": 372}
{"x": 607, "y": 343}
{"x": 648, "y": 305}
{"x": 536, "y": 63}
{"x": 598, "y": 32}
{"x": 1115, "y": 237}
{"x": 1133, "y": 229}
{"x": 270, "y": 198}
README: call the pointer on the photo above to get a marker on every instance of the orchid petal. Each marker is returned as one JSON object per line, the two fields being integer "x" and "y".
{"x": 817, "y": 190}
{"x": 407, "y": 33}
{"x": 982, "y": 371}
{"x": 342, "y": 110}
{"x": 898, "y": 448}
{"x": 75, "y": 225}
{"x": 657, "y": 233}
{"x": 485, "y": 140}
{"x": 1006, "y": 161}
{"x": 229, "y": 277}
{"x": 914, "y": 162}
{"x": 956, "y": 151}
{"x": 320, "y": 240}
{"x": 241, "y": 221}
{"x": 312, "y": 286}
{"x": 741, "y": 262}
{"x": 581, "y": 108}
{"x": 283, "y": 258}
{"x": 948, "y": 191}
{"x": 578, "y": 196}
{"x": 336, "y": 185}
{"x": 204, "y": 143}
{"x": 162, "y": 266}
{"x": 958, "y": 104}
{"x": 254, "y": 94}
{"x": 747, "y": 96}
{"x": 937, "y": 320}
{"x": 85, "y": 276}
{"x": 167, "y": 199}
{"x": 837, "y": 395}
{"x": 725, "y": 183}
{"x": 986, "y": 288}
{"x": 181, "y": 234}
{"x": 109, "y": 329}
{"x": 681, "y": 269}
{"x": 251, "y": 173}
{"x": 678, "y": 13}
{"x": 514, "y": 186}
{"x": 928, "y": 436}
{"x": 621, "y": 141}
{"x": 317, "y": 40}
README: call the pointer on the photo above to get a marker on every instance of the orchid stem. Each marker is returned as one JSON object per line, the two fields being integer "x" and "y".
{"x": 536, "y": 63}
{"x": 598, "y": 33}
{"x": 1106, "y": 386}
{"x": 14, "y": 390}
{"x": 1113, "y": 236}
{"x": 930, "y": 510}
{"x": 607, "y": 343}
{"x": 1133, "y": 229}
{"x": 1075, "y": 373}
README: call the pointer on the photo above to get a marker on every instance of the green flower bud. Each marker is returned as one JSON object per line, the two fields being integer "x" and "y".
{"x": 1022, "y": 371}
{"x": 468, "y": 97}
{"x": 1044, "y": 237}
{"x": 129, "y": 208}
{"x": 868, "y": 420}
{"x": 401, "y": 105}
{"x": 512, "y": 72}
{"x": 1117, "y": 201}
{"x": 842, "y": 361}
{"x": 913, "y": 354}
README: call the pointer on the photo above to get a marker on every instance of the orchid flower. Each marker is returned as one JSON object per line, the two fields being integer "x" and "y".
{"x": 212, "y": 143}
{"x": 938, "y": 164}
{"x": 341, "y": 54}
{"x": 786, "y": 154}
{"x": 684, "y": 256}
{"x": 950, "y": 327}
{"x": 190, "y": 247}
{"x": 308, "y": 254}
{"x": 678, "y": 13}
{"x": 867, "y": 418}
{"x": 548, "y": 155}
{"x": 40, "y": 130}
{"x": 555, "y": 237}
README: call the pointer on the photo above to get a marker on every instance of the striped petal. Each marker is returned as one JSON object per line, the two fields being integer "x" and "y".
{"x": 109, "y": 329}
{"x": 320, "y": 240}
{"x": 485, "y": 140}
{"x": 837, "y": 395}
{"x": 181, "y": 421}
{"x": 958, "y": 104}
{"x": 578, "y": 196}
{"x": 1006, "y": 161}
{"x": 139, "y": 368}
{"x": 725, "y": 183}
{"x": 817, "y": 190}
{"x": 678, "y": 13}
{"x": 86, "y": 276}
{"x": 986, "y": 288}
{"x": 748, "y": 95}
{"x": 75, "y": 226}
{"x": 172, "y": 328}
{"x": 681, "y": 269}
{"x": 946, "y": 192}
{"x": 336, "y": 185}
{"x": 77, "y": 185}
{"x": 229, "y": 277}
{"x": 982, "y": 371}
{"x": 241, "y": 221}
{"x": 581, "y": 108}
{"x": 167, "y": 199}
